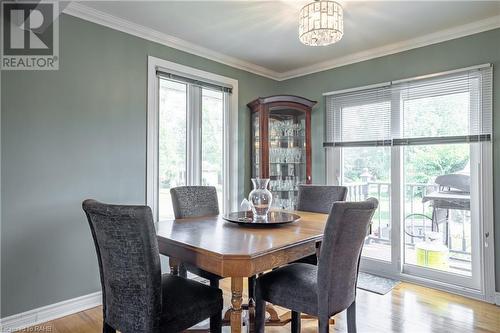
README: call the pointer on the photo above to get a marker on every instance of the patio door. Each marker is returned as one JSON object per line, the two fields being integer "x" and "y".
{"x": 360, "y": 157}
{"x": 441, "y": 213}
{"x": 422, "y": 147}
{"x": 440, "y": 176}
{"x": 367, "y": 172}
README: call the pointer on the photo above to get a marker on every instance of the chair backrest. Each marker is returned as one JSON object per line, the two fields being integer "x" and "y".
{"x": 129, "y": 265}
{"x": 343, "y": 239}
{"x": 319, "y": 198}
{"x": 454, "y": 181}
{"x": 194, "y": 201}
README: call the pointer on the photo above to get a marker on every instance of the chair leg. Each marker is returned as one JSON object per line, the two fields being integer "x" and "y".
{"x": 260, "y": 314}
{"x": 323, "y": 325}
{"x": 216, "y": 323}
{"x": 107, "y": 329}
{"x": 295, "y": 322}
{"x": 214, "y": 283}
{"x": 351, "y": 318}
{"x": 182, "y": 271}
{"x": 251, "y": 287}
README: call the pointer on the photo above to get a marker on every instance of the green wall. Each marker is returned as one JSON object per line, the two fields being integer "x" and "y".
{"x": 458, "y": 53}
{"x": 76, "y": 133}
{"x": 81, "y": 132}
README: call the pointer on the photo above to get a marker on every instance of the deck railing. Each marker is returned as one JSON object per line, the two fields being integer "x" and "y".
{"x": 414, "y": 192}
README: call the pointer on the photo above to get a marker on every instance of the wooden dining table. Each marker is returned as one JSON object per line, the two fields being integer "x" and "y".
{"x": 235, "y": 251}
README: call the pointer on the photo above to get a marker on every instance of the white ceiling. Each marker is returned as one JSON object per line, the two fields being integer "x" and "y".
{"x": 263, "y": 34}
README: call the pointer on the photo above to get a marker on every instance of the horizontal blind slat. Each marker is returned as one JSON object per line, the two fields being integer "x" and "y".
{"x": 450, "y": 108}
{"x": 193, "y": 81}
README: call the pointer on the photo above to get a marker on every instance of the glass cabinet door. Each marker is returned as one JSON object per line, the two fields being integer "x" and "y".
{"x": 256, "y": 146}
{"x": 287, "y": 155}
{"x": 281, "y": 145}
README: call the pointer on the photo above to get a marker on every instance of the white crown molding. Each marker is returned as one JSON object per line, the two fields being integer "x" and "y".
{"x": 110, "y": 21}
{"x": 433, "y": 38}
{"x": 116, "y": 23}
{"x": 50, "y": 312}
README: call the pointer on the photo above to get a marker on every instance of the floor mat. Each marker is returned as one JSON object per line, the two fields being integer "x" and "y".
{"x": 376, "y": 284}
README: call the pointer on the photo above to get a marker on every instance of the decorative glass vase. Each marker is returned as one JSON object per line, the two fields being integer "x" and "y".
{"x": 260, "y": 198}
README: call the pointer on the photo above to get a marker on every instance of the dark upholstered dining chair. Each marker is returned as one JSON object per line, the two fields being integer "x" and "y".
{"x": 330, "y": 287}
{"x": 137, "y": 298}
{"x": 195, "y": 201}
{"x": 199, "y": 201}
{"x": 318, "y": 199}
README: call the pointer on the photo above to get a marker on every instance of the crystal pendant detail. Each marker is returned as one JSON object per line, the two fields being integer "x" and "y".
{"x": 321, "y": 23}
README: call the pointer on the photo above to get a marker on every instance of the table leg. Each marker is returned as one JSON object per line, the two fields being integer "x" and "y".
{"x": 236, "y": 302}
{"x": 174, "y": 266}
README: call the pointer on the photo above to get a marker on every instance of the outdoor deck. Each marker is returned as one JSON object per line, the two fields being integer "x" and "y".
{"x": 383, "y": 252}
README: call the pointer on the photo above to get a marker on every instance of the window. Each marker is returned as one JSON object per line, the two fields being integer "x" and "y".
{"x": 212, "y": 140}
{"x": 189, "y": 114}
{"x": 172, "y": 142}
{"x": 421, "y": 147}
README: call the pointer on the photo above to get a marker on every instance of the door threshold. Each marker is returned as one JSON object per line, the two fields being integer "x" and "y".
{"x": 438, "y": 285}
{"x": 451, "y": 288}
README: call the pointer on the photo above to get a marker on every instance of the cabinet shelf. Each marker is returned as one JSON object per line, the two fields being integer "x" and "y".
{"x": 287, "y": 163}
{"x": 283, "y": 138}
{"x": 282, "y": 177}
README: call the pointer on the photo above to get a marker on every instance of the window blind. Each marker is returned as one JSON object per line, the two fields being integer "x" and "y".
{"x": 359, "y": 118}
{"x": 450, "y": 107}
{"x": 194, "y": 81}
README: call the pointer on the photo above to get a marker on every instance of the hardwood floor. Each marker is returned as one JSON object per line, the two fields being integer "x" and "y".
{"x": 408, "y": 308}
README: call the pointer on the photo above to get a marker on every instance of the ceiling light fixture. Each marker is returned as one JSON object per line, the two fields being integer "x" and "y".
{"x": 321, "y": 23}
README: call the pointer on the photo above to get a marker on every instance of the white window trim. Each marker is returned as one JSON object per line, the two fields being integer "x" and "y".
{"x": 486, "y": 230}
{"x": 230, "y": 131}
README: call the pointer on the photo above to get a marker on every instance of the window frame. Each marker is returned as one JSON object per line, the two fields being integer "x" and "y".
{"x": 230, "y": 126}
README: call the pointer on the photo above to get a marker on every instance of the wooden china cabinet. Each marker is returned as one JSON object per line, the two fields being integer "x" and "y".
{"x": 281, "y": 145}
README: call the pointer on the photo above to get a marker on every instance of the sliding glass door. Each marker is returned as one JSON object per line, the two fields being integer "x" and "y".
{"x": 441, "y": 222}
{"x": 419, "y": 147}
{"x": 441, "y": 218}
{"x": 366, "y": 171}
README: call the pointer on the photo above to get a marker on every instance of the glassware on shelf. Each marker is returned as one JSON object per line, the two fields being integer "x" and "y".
{"x": 285, "y": 203}
{"x": 285, "y": 129}
{"x": 285, "y": 155}
{"x": 284, "y": 184}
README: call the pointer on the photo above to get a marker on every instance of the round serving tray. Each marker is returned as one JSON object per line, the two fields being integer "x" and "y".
{"x": 273, "y": 218}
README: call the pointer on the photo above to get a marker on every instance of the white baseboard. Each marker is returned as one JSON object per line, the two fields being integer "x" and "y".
{"x": 49, "y": 312}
